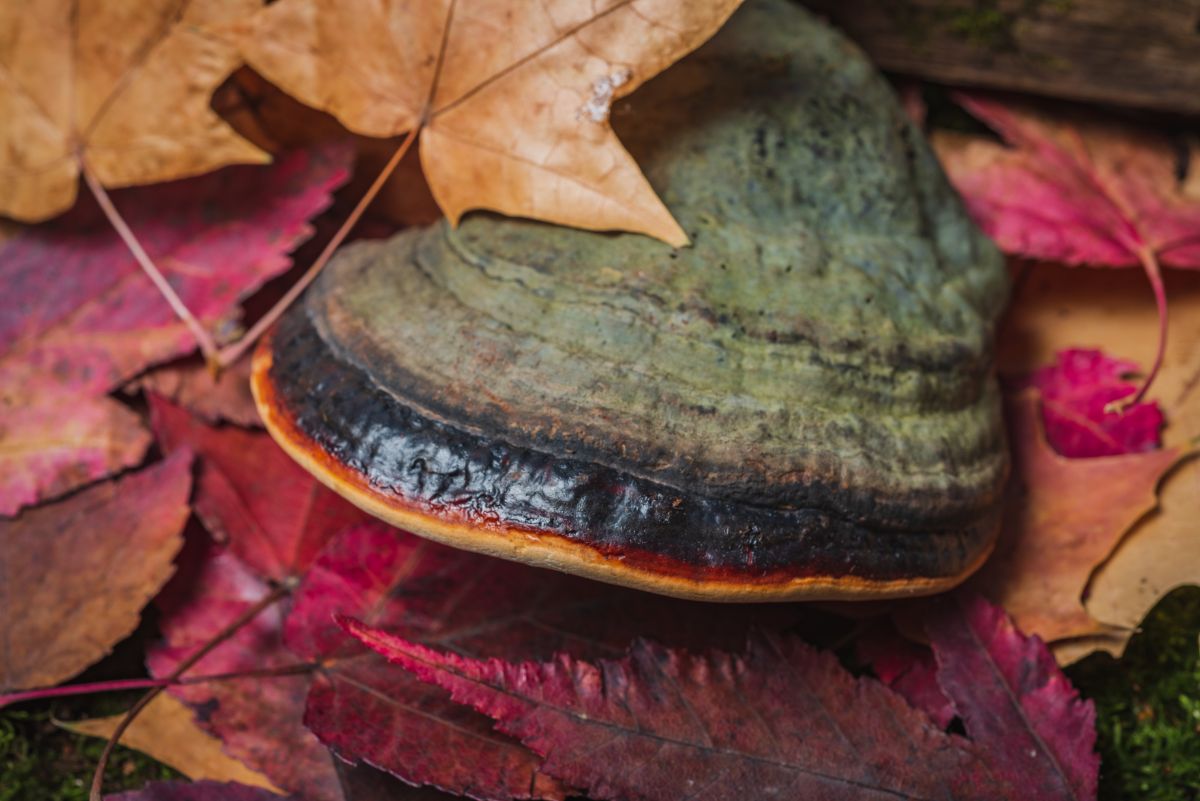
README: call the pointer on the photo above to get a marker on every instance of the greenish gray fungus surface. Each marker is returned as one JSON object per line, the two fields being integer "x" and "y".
{"x": 800, "y": 404}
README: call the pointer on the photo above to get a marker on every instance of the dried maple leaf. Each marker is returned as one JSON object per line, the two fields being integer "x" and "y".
{"x": 77, "y": 318}
{"x": 1055, "y": 531}
{"x": 511, "y": 98}
{"x": 166, "y": 731}
{"x": 784, "y": 720}
{"x": 1078, "y": 392}
{"x": 122, "y": 87}
{"x": 1076, "y": 190}
{"x": 75, "y": 575}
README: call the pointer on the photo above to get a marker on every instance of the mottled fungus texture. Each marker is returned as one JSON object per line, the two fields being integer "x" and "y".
{"x": 799, "y": 405}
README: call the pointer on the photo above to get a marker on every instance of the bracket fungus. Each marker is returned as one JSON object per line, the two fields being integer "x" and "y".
{"x": 800, "y": 405}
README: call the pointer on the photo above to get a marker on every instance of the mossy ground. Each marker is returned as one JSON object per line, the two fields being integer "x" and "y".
{"x": 40, "y": 761}
{"x": 1147, "y": 710}
{"x": 1148, "y": 706}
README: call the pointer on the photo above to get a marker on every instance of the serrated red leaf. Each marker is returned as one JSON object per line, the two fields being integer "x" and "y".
{"x": 274, "y": 515}
{"x": 474, "y": 605}
{"x": 1078, "y": 391}
{"x": 1014, "y": 701}
{"x": 78, "y": 318}
{"x": 782, "y": 720}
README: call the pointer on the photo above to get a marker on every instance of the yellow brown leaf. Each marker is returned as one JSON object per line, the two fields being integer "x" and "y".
{"x": 123, "y": 86}
{"x": 511, "y": 96}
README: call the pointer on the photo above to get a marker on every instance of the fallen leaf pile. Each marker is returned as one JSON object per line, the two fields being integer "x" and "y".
{"x": 385, "y": 666}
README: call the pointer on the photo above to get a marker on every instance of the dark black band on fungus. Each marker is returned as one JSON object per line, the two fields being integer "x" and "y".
{"x": 435, "y": 467}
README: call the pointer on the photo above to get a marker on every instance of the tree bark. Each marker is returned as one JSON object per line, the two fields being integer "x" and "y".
{"x": 1138, "y": 53}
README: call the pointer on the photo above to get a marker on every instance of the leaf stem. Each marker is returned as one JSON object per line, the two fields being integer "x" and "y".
{"x": 207, "y": 345}
{"x": 119, "y": 685}
{"x": 95, "y": 794}
{"x": 1154, "y": 273}
{"x": 231, "y": 353}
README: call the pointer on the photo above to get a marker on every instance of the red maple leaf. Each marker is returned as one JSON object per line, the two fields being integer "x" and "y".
{"x": 78, "y": 318}
{"x": 1077, "y": 190}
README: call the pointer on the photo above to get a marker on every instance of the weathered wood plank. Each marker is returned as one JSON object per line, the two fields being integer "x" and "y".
{"x": 1142, "y": 53}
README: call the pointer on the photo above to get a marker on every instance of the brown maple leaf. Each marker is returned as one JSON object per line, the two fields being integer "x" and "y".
{"x": 511, "y": 98}
{"x": 75, "y": 575}
{"x": 1062, "y": 519}
{"x": 122, "y": 88}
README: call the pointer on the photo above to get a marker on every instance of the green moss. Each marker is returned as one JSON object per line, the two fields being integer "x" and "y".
{"x": 985, "y": 26}
{"x": 1148, "y": 706}
{"x": 41, "y": 762}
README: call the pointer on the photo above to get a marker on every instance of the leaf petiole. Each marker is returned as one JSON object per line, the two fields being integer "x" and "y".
{"x": 207, "y": 345}
{"x": 278, "y": 593}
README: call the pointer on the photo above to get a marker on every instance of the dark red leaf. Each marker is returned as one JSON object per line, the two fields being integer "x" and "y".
{"x": 1014, "y": 701}
{"x": 274, "y": 515}
{"x": 1077, "y": 394}
{"x": 781, "y": 721}
{"x": 909, "y": 669}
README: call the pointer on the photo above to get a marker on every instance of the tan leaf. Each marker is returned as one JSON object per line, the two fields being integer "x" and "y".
{"x": 75, "y": 575}
{"x": 1062, "y": 518}
{"x": 122, "y": 85}
{"x": 167, "y": 731}
{"x": 1053, "y": 310}
{"x": 511, "y": 96}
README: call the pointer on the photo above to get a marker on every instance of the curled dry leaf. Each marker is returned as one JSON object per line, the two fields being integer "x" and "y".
{"x": 166, "y": 731}
{"x": 1055, "y": 532}
{"x": 78, "y": 318}
{"x": 123, "y": 87}
{"x": 75, "y": 575}
{"x": 511, "y": 98}
{"x": 1078, "y": 392}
